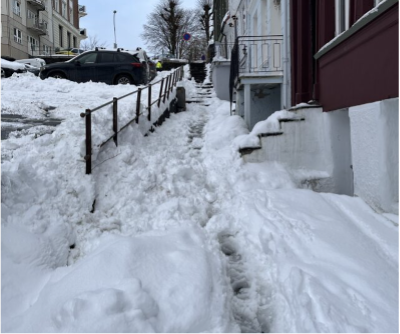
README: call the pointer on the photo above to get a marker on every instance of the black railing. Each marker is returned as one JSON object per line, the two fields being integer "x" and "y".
{"x": 167, "y": 85}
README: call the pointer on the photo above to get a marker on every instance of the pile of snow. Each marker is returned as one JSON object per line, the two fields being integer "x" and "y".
{"x": 128, "y": 284}
{"x": 12, "y": 65}
{"x": 271, "y": 124}
{"x": 67, "y": 270}
{"x": 184, "y": 236}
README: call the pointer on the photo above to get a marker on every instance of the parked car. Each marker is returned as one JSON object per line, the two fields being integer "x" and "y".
{"x": 150, "y": 66}
{"x": 70, "y": 51}
{"x": 11, "y": 67}
{"x": 108, "y": 66}
{"x": 32, "y": 69}
{"x": 37, "y": 62}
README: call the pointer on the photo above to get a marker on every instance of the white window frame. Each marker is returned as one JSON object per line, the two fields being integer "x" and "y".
{"x": 31, "y": 15}
{"x": 342, "y": 16}
{"x": 32, "y": 42}
{"x": 56, "y": 6}
{"x": 46, "y": 49}
{"x": 17, "y": 35}
{"x": 64, "y": 9}
{"x": 17, "y": 8}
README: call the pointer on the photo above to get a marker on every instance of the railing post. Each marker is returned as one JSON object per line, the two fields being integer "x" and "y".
{"x": 173, "y": 81}
{"x": 171, "y": 86}
{"x": 149, "y": 102}
{"x": 139, "y": 93}
{"x": 161, "y": 90}
{"x": 165, "y": 91}
{"x": 115, "y": 120}
{"x": 167, "y": 87}
{"x": 88, "y": 156}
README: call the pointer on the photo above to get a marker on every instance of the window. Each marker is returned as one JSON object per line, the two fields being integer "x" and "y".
{"x": 17, "y": 8}
{"x": 31, "y": 15}
{"x": 342, "y": 16}
{"x": 71, "y": 12}
{"x": 45, "y": 24}
{"x": 377, "y": 2}
{"x": 46, "y": 49}
{"x": 64, "y": 9}
{"x": 106, "y": 57}
{"x": 89, "y": 58}
{"x": 56, "y": 5}
{"x": 17, "y": 35}
{"x": 68, "y": 39}
{"x": 74, "y": 42}
{"x": 33, "y": 44}
{"x": 60, "y": 35}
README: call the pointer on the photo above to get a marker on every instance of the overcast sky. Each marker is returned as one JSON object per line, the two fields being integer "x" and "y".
{"x": 130, "y": 17}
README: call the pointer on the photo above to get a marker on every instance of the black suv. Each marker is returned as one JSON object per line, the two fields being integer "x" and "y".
{"x": 109, "y": 66}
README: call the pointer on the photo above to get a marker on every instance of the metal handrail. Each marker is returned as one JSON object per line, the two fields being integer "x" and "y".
{"x": 171, "y": 82}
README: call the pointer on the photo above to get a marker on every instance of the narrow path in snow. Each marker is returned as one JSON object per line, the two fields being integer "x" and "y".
{"x": 167, "y": 184}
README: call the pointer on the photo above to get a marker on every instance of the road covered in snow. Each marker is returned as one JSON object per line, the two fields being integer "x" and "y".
{"x": 184, "y": 236}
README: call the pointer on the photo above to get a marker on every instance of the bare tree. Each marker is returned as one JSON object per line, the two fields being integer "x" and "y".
{"x": 166, "y": 27}
{"x": 205, "y": 7}
{"x": 91, "y": 42}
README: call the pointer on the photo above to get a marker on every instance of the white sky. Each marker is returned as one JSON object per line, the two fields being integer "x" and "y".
{"x": 130, "y": 18}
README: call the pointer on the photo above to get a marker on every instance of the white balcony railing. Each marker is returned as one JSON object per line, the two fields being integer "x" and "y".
{"x": 36, "y": 25}
{"x": 259, "y": 54}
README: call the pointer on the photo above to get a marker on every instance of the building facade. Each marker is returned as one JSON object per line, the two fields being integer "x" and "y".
{"x": 40, "y": 27}
{"x": 344, "y": 93}
{"x": 252, "y": 50}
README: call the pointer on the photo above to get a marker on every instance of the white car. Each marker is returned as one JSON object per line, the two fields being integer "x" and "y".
{"x": 11, "y": 67}
{"x": 36, "y": 62}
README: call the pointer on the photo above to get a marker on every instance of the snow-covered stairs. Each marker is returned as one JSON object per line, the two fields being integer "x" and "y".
{"x": 198, "y": 71}
{"x": 302, "y": 154}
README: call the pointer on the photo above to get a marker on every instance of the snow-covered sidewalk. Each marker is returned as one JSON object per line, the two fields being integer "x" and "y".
{"x": 185, "y": 237}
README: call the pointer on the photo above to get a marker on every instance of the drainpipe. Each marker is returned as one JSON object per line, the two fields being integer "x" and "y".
{"x": 286, "y": 57}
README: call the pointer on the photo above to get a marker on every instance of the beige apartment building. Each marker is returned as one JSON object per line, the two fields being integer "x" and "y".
{"x": 40, "y": 27}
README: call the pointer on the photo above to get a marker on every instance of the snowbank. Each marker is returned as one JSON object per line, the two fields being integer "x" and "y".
{"x": 65, "y": 269}
{"x": 12, "y": 65}
{"x": 185, "y": 236}
{"x": 271, "y": 124}
{"x": 129, "y": 284}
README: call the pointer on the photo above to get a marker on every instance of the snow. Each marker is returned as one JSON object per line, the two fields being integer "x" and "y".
{"x": 226, "y": 17}
{"x": 271, "y": 124}
{"x": 185, "y": 236}
{"x": 12, "y": 65}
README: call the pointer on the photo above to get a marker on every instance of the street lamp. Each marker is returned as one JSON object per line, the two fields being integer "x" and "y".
{"x": 115, "y": 34}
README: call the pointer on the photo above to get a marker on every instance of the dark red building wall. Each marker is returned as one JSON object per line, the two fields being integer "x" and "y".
{"x": 301, "y": 51}
{"x": 325, "y": 22}
{"x": 358, "y": 8}
{"x": 363, "y": 68}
